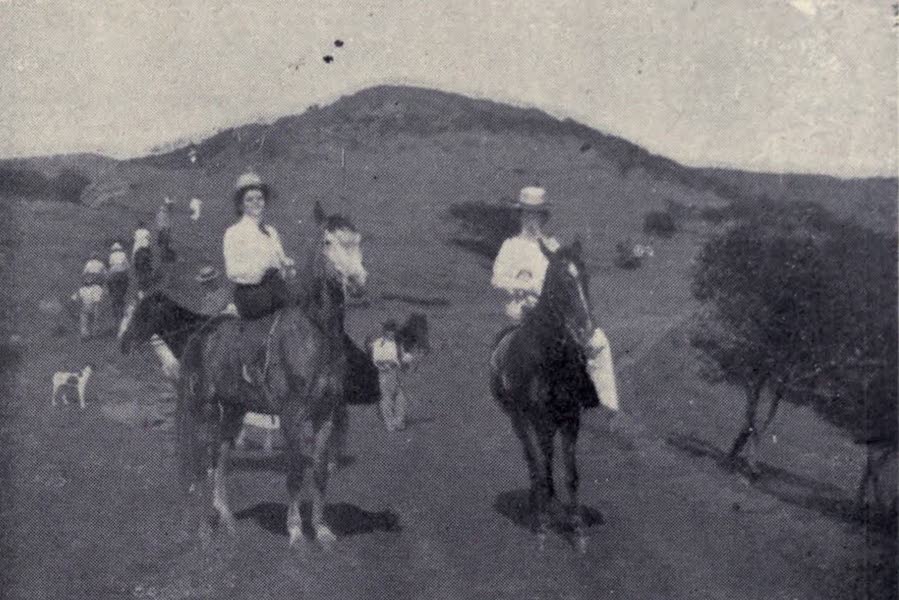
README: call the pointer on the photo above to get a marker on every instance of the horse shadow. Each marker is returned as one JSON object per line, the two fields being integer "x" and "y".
{"x": 792, "y": 488}
{"x": 275, "y": 462}
{"x": 516, "y": 506}
{"x": 343, "y": 518}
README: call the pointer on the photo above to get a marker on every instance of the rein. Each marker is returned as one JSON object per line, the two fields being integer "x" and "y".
{"x": 149, "y": 340}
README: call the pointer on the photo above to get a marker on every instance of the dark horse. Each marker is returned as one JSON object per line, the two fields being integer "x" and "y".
{"x": 539, "y": 378}
{"x": 305, "y": 380}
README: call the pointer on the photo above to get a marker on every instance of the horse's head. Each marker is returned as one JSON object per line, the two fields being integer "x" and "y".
{"x": 142, "y": 320}
{"x": 566, "y": 291}
{"x": 413, "y": 335}
{"x": 342, "y": 251}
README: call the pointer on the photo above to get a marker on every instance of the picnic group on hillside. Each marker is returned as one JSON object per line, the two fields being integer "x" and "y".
{"x": 257, "y": 271}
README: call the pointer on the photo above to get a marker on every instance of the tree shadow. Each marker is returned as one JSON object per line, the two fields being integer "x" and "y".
{"x": 798, "y": 490}
{"x": 516, "y": 506}
{"x": 343, "y": 518}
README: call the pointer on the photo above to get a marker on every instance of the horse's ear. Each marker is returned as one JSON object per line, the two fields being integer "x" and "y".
{"x": 546, "y": 251}
{"x": 318, "y": 213}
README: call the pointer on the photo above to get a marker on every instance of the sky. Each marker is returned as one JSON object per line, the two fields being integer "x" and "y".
{"x": 772, "y": 85}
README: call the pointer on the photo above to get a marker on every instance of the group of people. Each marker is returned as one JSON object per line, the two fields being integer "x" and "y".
{"x": 258, "y": 269}
{"x": 257, "y": 266}
{"x": 97, "y": 279}
{"x": 112, "y": 277}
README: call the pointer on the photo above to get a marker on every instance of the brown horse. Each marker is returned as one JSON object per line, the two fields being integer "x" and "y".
{"x": 303, "y": 383}
{"x": 539, "y": 378}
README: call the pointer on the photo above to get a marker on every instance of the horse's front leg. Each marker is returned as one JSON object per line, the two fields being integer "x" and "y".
{"x": 292, "y": 429}
{"x": 569, "y": 455}
{"x": 532, "y": 457}
{"x": 229, "y": 426}
{"x": 320, "y": 462}
{"x": 339, "y": 433}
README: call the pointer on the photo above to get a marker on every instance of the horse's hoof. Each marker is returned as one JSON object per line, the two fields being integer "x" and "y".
{"x": 295, "y": 535}
{"x": 324, "y": 536}
{"x": 230, "y": 524}
{"x": 541, "y": 540}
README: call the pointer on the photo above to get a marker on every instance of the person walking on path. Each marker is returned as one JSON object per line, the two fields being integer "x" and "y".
{"x": 387, "y": 358}
{"x": 90, "y": 295}
{"x": 519, "y": 270}
{"x": 117, "y": 280}
{"x": 142, "y": 257}
{"x": 164, "y": 230}
{"x": 196, "y": 205}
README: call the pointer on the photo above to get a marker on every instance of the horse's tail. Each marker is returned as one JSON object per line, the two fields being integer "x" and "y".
{"x": 191, "y": 451}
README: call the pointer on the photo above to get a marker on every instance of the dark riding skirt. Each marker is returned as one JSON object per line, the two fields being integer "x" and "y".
{"x": 264, "y": 298}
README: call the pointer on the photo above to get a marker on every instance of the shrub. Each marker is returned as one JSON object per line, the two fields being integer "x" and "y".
{"x": 483, "y": 227}
{"x": 69, "y": 184}
{"x": 659, "y": 223}
{"x": 626, "y": 256}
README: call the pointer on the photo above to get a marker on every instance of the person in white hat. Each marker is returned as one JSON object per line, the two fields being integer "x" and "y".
{"x": 520, "y": 266}
{"x": 519, "y": 270}
{"x": 254, "y": 257}
{"x": 196, "y": 205}
{"x": 117, "y": 280}
{"x": 90, "y": 294}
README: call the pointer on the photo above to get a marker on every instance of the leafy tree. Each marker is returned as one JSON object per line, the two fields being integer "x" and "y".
{"x": 804, "y": 307}
{"x": 762, "y": 291}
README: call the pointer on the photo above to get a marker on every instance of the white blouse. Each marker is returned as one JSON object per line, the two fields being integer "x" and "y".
{"x": 249, "y": 252}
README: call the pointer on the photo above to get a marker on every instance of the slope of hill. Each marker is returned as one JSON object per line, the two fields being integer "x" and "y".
{"x": 371, "y": 115}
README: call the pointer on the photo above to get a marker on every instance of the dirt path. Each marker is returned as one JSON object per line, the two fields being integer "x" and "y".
{"x": 433, "y": 512}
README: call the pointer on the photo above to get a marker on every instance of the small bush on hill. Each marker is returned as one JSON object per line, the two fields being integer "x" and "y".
{"x": 22, "y": 182}
{"x": 68, "y": 185}
{"x": 659, "y": 223}
{"x": 483, "y": 227}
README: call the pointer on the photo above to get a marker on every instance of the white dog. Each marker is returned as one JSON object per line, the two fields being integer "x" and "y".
{"x": 79, "y": 380}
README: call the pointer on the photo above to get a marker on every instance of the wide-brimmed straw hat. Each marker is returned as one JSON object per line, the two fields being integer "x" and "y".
{"x": 249, "y": 181}
{"x": 207, "y": 274}
{"x": 533, "y": 199}
{"x": 114, "y": 247}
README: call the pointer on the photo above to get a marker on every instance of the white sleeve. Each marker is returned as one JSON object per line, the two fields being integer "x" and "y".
{"x": 504, "y": 269}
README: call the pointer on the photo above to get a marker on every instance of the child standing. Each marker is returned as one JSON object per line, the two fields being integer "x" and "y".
{"x": 386, "y": 355}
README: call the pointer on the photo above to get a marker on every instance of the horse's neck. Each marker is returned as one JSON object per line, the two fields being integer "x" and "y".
{"x": 545, "y": 319}
{"x": 327, "y": 297}
{"x": 179, "y": 326}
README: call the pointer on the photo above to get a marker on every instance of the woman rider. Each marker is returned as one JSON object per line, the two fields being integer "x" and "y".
{"x": 519, "y": 270}
{"x": 254, "y": 258}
